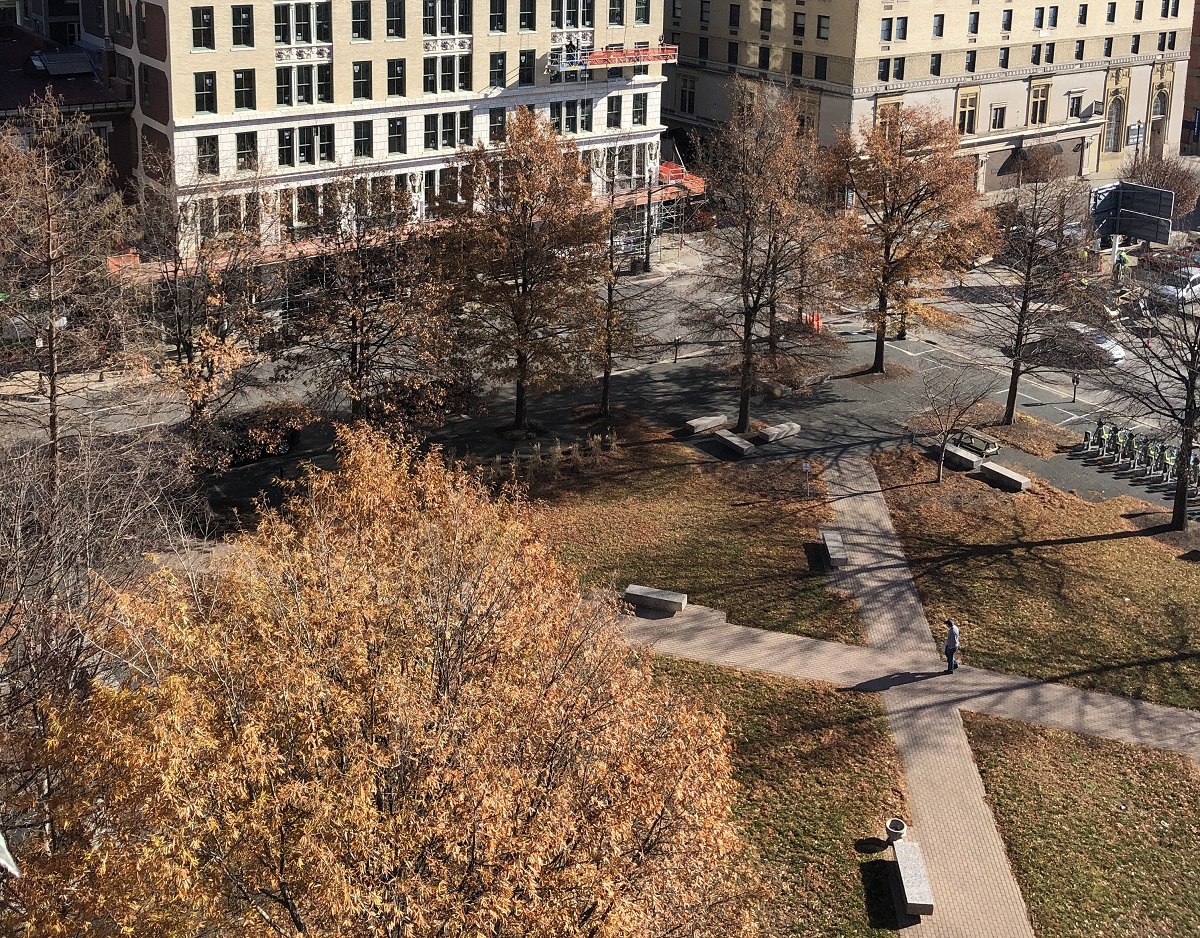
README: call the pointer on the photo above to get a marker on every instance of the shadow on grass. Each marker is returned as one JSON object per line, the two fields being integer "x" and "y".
{"x": 878, "y": 881}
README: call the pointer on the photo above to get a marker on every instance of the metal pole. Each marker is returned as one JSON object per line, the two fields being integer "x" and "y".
{"x": 649, "y": 190}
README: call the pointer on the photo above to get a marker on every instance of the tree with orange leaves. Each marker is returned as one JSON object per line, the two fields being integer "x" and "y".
{"x": 387, "y": 712}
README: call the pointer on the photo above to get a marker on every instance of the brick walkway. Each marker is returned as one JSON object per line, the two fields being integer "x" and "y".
{"x": 975, "y": 893}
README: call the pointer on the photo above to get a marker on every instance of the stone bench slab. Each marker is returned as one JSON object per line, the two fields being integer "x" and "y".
{"x": 781, "y": 431}
{"x": 959, "y": 458}
{"x": 775, "y": 389}
{"x": 703, "y": 424}
{"x": 835, "y": 547}
{"x": 651, "y": 598}
{"x": 734, "y": 442}
{"x": 914, "y": 880}
{"x": 1003, "y": 477}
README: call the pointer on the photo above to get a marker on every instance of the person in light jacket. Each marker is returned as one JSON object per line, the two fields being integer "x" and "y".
{"x": 951, "y": 645}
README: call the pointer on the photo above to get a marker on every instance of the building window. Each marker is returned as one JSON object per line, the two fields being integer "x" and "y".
{"x": 1108, "y": 43}
{"x": 287, "y": 147}
{"x": 308, "y": 145}
{"x": 247, "y": 150}
{"x": 1049, "y": 53}
{"x": 283, "y": 86}
{"x": 822, "y": 27}
{"x": 303, "y": 24}
{"x": 464, "y": 73}
{"x": 935, "y": 64}
{"x": 731, "y": 53}
{"x": 464, "y": 16}
{"x": 360, "y": 19}
{"x": 397, "y": 135}
{"x": 1079, "y": 47}
{"x": 616, "y": 12}
{"x": 884, "y": 69}
{"x": 1110, "y": 13}
{"x": 283, "y": 23}
{"x": 429, "y": 17}
{"x": 764, "y": 19}
{"x": 639, "y": 110}
{"x": 735, "y": 15}
{"x": 970, "y": 63}
{"x": 429, "y": 74}
{"x": 446, "y": 20}
{"x": 705, "y": 10}
{"x": 1039, "y": 103}
{"x": 1083, "y": 14}
{"x": 1052, "y": 19}
{"x": 449, "y": 130}
{"x": 1137, "y": 9}
{"x": 641, "y": 13}
{"x": 687, "y": 94}
{"x": 526, "y": 59}
{"x": 304, "y": 84}
{"x": 1135, "y": 45}
{"x": 496, "y": 124}
{"x": 431, "y": 131}
{"x": 1002, "y": 60}
{"x": 449, "y": 71}
{"x": 939, "y": 25}
{"x": 614, "y": 112}
{"x": 497, "y": 70}
{"x": 1075, "y": 105}
{"x": 364, "y": 142}
{"x": 498, "y": 19}
{"x": 208, "y": 156}
{"x": 998, "y": 114}
{"x": 361, "y": 80}
{"x": 1166, "y": 6}
{"x": 396, "y": 78}
{"x": 1114, "y": 124}
{"x": 206, "y": 92}
{"x": 1039, "y": 17}
{"x": 243, "y": 25}
{"x": 885, "y": 29}
{"x": 1005, "y": 21}
{"x": 325, "y": 84}
{"x": 324, "y": 22}
{"x": 203, "y": 35}
{"x": 821, "y": 67}
{"x": 973, "y": 22}
{"x": 1162, "y": 42}
{"x": 798, "y": 64}
{"x": 702, "y": 48}
{"x": 901, "y": 28}
{"x": 325, "y": 142}
{"x": 527, "y": 15}
{"x": 898, "y": 69}
{"x": 764, "y": 57}
{"x": 968, "y": 104}
{"x": 394, "y": 11}
{"x": 1171, "y": 39}
{"x": 798, "y": 25}
{"x": 1035, "y": 54}
{"x": 243, "y": 89}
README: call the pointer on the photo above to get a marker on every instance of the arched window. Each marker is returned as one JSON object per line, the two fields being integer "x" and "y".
{"x": 1114, "y": 125}
{"x": 1159, "y": 107}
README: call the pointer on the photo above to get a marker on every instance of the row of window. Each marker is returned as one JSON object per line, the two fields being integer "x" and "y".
{"x": 895, "y": 29}
{"x": 302, "y": 23}
{"x": 892, "y": 69}
{"x": 310, "y": 145}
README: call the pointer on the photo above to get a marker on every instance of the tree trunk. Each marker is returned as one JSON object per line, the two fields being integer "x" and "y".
{"x": 747, "y": 383}
{"x": 942, "y": 457}
{"x": 520, "y": 408}
{"x": 1010, "y": 403}
{"x": 880, "y": 335}
{"x": 1179, "y": 509}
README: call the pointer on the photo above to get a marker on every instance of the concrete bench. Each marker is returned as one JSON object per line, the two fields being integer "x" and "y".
{"x": 650, "y": 598}
{"x": 775, "y": 389}
{"x": 914, "y": 881}
{"x": 715, "y": 422}
{"x": 781, "y": 431}
{"x": 734, "y": 442}
{"x": 959, "y": 458}
{"x": 1004, "y": 478}
{"x": 835, "y": 547}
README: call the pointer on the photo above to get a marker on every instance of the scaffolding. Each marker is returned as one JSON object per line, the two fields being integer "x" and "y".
{"x": 575, "y": 58}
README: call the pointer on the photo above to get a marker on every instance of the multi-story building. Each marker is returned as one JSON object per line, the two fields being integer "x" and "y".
{"x": 282, "y": 98}
{"x": 1094, "y": 80}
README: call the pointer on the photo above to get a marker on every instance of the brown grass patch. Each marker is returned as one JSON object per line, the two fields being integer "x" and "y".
{"x": 1049, "y": 585}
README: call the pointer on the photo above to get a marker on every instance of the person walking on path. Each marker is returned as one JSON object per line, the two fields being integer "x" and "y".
{"x": 951, "y": 646}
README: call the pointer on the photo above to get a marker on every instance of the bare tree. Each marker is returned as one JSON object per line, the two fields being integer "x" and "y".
{"x": 1165, "y": 172}
{"x": 1163, "y": 384}
{"x": 530, "y": 243}
{"x": 952, "y": 395}
{"x": 60, "y": 221}
{"x": 916, "y": 213}
{"x": 763, "y": 170}
{"x": 1041, "y": 278}
{"x": 374, "y": 323}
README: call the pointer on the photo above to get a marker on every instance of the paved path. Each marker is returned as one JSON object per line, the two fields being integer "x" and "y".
{"x": 975, "y": 893}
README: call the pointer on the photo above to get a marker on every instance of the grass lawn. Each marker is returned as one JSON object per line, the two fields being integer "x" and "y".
{"x": 738, "y": 538}
{"x": 1104, "y": 837}
{"x": 819, "y": 772}
{"x": 1047, "y": 584}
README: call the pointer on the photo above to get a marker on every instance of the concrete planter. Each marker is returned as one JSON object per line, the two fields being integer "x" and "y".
{"x": 896, "y": 829}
